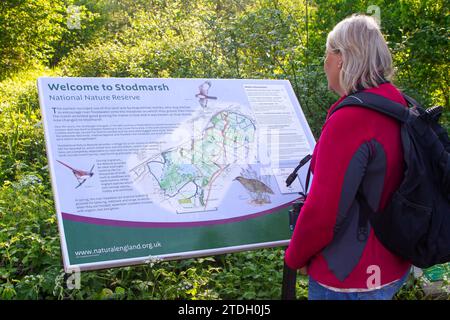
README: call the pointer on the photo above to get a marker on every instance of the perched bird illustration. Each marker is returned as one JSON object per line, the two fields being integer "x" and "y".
{"x": 80, "y": 175}
{"x": 202, "y": 95}
{"x": 258, "y": 190}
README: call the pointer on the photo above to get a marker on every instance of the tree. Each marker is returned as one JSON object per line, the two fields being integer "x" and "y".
{"x": 27, "y": 31}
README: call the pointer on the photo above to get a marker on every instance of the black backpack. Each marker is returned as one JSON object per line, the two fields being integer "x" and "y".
{"x": 415, "y": 224}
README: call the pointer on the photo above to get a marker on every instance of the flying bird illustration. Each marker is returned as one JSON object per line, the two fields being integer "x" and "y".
{"x": 202, "y": 95}
{"x": 258, "y": 190}
{"x": 80, "y": 175}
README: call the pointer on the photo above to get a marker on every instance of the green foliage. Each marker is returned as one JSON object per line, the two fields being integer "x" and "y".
{"x": 22, "y": 42}
{"x": 418, "y": 36}
{"x": 250, "y": 275}
{"x": 21, "y": 138}
{"x": 282, "y": 39}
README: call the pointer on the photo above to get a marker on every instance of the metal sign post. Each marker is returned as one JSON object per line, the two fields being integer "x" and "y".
{"x": 290, "y": 275}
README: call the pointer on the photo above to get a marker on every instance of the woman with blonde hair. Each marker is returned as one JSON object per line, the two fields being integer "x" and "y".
{"x": 359, "y": 153}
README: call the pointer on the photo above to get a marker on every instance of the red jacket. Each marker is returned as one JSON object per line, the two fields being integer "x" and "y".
{"x": 358, "y": 149}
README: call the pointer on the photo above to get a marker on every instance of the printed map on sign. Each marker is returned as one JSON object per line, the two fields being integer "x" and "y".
{"x": 221, "y": 141}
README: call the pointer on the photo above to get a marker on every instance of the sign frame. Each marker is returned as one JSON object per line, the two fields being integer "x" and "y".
{"x": 70, "y": 224}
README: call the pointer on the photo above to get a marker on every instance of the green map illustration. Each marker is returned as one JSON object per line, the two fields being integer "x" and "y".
{"x": 193, "y": 176}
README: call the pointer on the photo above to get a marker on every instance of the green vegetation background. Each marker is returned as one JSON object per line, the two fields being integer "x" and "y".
{"x": 280, "y": 39}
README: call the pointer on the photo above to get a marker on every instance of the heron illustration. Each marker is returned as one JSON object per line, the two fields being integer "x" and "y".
{"x": 202, "y": 95}
{"x": 80, "y": 175}
{"x": 258, "y": 190}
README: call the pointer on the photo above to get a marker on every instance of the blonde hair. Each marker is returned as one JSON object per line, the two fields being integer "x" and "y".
{"x": 366, "y": 60}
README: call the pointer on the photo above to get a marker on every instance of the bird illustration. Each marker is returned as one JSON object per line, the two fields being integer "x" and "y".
{"x": 258, "y": 190}
{"x": 202, "y": 95}
{"x": 80, "y": 175}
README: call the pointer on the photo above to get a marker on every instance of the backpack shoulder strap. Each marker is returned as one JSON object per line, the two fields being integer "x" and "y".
{"x": 412, "y": 102}
{"x": 377, "y": 103}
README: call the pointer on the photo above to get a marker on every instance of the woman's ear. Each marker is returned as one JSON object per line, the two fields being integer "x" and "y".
{"x": 340, "y": 60}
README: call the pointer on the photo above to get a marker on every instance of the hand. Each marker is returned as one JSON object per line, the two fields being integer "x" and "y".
{"x": 303, "y": 271}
